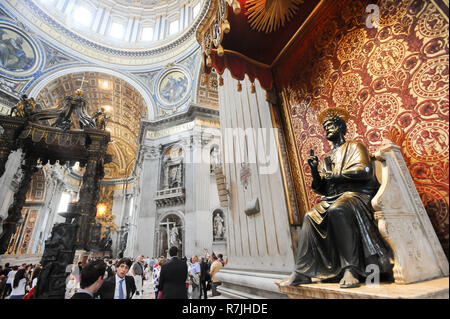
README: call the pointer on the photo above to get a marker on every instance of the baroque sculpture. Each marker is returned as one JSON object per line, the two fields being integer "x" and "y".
{"x": 173, "y": 240}
{"x": 72, "y": 108}
{"x": 218, "y": 226}
{"x": 339, "y": 237}
{"x": 28, "y": 128}
{"x": 100, "y": 119}
{"x": 24, "y": 108}
{"x": 173, "y": 168}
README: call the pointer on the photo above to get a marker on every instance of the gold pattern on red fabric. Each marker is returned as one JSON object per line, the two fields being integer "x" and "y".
{"x": 394, "y": 82}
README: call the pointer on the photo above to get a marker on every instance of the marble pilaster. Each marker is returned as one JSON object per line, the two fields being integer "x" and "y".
{"x": 260, "y": 242}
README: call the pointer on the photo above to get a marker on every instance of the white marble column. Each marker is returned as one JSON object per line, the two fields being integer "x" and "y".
{"x": 205, "y": 196}
{"x": 141, "y": 238}
{"x": 131, "y": 249}
{"x": 53, "y": 210}
{"x": 98, "y": 18}
{"x": 105, "y": 21}
{"x": 37, "y": 236}
{"x": 118, "y": 211}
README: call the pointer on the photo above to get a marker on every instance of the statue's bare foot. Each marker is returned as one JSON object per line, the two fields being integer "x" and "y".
{"x": 295, "y": 280}
{"x": 349, "y": 280}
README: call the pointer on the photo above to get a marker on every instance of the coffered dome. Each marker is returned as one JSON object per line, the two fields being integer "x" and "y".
{"x": 131, "y": 33}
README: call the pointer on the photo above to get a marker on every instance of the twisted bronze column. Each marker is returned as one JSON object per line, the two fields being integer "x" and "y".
{"x": 89, "y": 196}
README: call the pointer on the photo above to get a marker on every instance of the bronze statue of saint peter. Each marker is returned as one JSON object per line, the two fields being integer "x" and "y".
{"x": 339, "y": 237}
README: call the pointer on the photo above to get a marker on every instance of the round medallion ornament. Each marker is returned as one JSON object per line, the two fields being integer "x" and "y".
{"x": 428, "y": 141}
{"x": 18, "y": 53}
{"x": 381, "y": 110}
{"x": 351, "y": 45}
{"x": 173, "y": 88}
{"x": 346, "y": 89}
{"x": 386, "y": 58}
{"x": 432, "y": 24}
{"x": 431, "y": 80}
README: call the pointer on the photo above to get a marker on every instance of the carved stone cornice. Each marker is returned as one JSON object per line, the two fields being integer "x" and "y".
{"x": 152, "y": 152}
{"x": 187, "y": 142}
{"x": 170, "y": 197}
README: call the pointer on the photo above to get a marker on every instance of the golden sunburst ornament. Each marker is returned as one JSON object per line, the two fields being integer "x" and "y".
{"x": 269, "y": 15}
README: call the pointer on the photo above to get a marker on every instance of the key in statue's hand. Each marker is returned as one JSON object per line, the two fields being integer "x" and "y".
{"x": 313, "y": 160}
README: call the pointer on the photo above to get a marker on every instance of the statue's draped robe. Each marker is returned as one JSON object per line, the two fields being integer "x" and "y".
{"x": 340, "y": 232}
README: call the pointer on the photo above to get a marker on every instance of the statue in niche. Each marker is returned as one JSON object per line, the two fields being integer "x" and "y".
{"x": 173, "y": 237}
{"x": 214, "y": 159}
{"x": 339, "y": 237}
{"x": 175, "y": 176}
{"x": 173, "y": 168}
{"x": 219, "y": 226}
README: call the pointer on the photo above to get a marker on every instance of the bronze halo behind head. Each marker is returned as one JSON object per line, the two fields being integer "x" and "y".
{"x": 332, "y": 112}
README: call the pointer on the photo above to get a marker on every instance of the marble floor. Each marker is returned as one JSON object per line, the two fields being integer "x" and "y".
{"x": 149, "y": 294}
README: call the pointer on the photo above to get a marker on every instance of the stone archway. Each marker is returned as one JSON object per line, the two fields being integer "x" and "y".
{"x": 170, "y": 232}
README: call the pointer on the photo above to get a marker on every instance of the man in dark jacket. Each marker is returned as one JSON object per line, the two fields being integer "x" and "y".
{"x": 91, "y": 280}
{"x": 119, "y": 286}
{"x": 205, "y": 278}
{"x": 172, "y": 280}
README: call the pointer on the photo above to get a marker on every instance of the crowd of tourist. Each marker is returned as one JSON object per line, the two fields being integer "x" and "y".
{"x": 124, "y": 278}
{"x": 16, "y": 281}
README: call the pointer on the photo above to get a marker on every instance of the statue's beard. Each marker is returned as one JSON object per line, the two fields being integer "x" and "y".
{"x": 333, "y": 135}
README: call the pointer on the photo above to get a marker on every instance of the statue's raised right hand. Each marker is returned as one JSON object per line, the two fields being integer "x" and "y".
{"x": 313, "y": 160}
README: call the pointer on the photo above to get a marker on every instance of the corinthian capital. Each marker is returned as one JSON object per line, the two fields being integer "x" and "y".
{"x": 153, "y": 151}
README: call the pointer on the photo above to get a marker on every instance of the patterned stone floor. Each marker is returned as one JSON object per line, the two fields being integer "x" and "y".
{"x": 149, "y": 294}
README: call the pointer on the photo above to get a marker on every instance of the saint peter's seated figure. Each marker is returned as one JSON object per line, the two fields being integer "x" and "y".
{"x": 339, "y": 237}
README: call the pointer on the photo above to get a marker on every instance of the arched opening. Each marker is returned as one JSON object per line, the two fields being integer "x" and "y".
{"x": 170, "y": 233}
